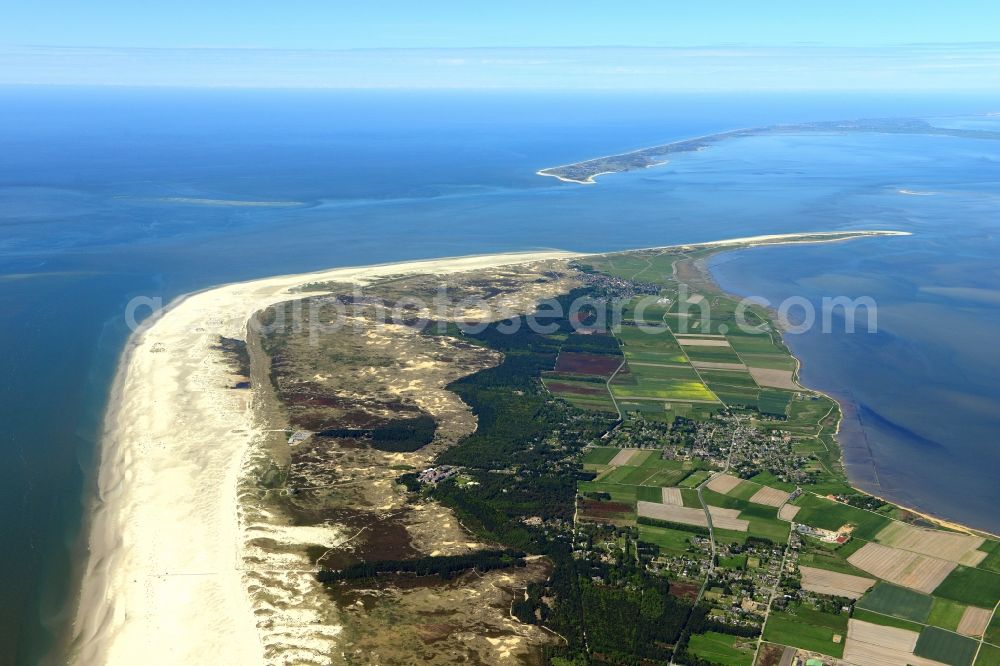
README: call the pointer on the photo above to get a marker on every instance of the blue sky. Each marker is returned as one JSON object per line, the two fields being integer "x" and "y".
{"x": 663, "y": 44}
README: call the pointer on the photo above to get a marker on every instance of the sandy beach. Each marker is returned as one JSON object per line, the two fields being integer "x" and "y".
{"x": 165, "y": 581}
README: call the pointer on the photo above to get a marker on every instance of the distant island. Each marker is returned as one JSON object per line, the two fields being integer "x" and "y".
{"x": 586, "y": 171}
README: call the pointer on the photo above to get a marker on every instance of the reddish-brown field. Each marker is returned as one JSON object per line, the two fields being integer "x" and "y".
{"x": 685, "y": 590}
{"x": 601, "y": 511}
{"x": 576, "y": 389}
{"x": 580, "y": 363}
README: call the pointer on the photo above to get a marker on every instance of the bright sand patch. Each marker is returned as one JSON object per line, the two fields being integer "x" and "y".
{"x": 788, "y": 512}
{"x": 717, "y": 365}
{"x": 875, "y": 645}
{"x": 774, "y": 378}
{"x": 835, "y": 584}
{"x": 936, "y": 543}
{"x": 166, "y": 579}
{"x": 723, "y": 483}
{"x": 770, "y": 496}
{"x": 974, "y": 621}
{"x": 672, "y": 496}
{"x": 703, "y": 342}
{"x": 622, "y": 457}
{"x": 902, "y": 567}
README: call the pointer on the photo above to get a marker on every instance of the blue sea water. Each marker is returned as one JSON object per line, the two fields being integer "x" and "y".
{"x": 96, "y": 190}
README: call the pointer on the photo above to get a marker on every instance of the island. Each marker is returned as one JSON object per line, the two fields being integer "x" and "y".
{"x": 586, "y": 171}
{"x": 544, "y": 458}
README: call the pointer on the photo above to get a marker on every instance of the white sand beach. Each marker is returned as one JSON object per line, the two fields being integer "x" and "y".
{"x": 165, "y": 581}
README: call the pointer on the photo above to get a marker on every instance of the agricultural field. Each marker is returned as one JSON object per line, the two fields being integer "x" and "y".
{"x": 869, "y": 643}
{"x": 808, "y": 630}
{"x": 948, "y": 615}
{"x": 989, "y": 655}
{"x": 600, "y": 455}
{"x": 946, "y": 647}
{"x": 898, "y": 601}
{"x": 976, "y": 587}
{"x": 974, "y": 621}
{"x": 833, "y": 583}
{"x": 829, "y": 515}
{"x": 583, "y": 394}
{"x": 762, "y": 520}
{"x": 675, "y": 542}
{"x": 695, "y": 479}
{"x": 961, "y": 548}
{"x": 722, "y": 649}
{"x": 661, "y": 382}
{"x": 582, "y": 363}
{"x": 645, "y": 345}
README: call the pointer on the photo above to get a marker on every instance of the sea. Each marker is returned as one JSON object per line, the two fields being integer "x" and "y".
{"x": 108, "y": 194}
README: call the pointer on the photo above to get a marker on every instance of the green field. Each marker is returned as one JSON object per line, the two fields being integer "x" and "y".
{"x": 768, "y": 479}
{"x": 773, "y": 401}
{"x": 618, "y": 492}
{"x": 711, "y": 354}
{"x": 976, "y": 587}
{"x": 670, "y": 540}
{"x": 829, "y": 515}
{"x": 898, "y": 601}
{"x": 992, "y": 561}
{"x": 946, "y": 614}
{"x": 885, "y": 620}
{"x": 808, "y": 630}
{"x": 989, "y": 655}
{"x": 993, "y": 631}
{"x": 695, "y": 479}
{"x": 946, "y": 647}
{"x": 737, "y": 562}
{"x": 602, "y": 455}
{"x": 722, "y": 649}
{"x": 744, "y": 491}
{"x": 667, "y": 478}
{"x": 826, "y": 556}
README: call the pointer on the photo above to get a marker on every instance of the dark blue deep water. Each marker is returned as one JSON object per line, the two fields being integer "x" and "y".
{"x": 95, "y": 189}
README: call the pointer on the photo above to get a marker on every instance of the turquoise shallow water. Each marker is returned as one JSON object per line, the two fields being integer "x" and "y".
{"x": 93, "y": 210}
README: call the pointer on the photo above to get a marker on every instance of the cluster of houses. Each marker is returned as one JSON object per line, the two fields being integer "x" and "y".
{"x": 437, "y": 474}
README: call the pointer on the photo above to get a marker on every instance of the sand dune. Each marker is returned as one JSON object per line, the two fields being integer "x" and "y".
{"x": 166, "y": 581}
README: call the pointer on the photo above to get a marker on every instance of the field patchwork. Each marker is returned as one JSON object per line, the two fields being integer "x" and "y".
{"x": 622, "y": 457}
{"x": 902, "y": 567}
{"x": 974, "y": 621}
{"x": 835, "y": 584}
{"x": 728, "y": 519}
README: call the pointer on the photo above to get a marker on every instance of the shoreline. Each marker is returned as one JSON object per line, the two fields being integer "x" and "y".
{"x": 165, "y": 533}
{"x": 852, "y": 483}
{"x": 163, "y": 580}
